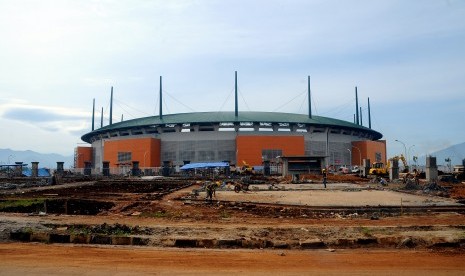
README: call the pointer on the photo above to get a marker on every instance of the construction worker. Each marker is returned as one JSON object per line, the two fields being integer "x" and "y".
{"x": 210, "y": 188}
{"x": 325, "y": 175}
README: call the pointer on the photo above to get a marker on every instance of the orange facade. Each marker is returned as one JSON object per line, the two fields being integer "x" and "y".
{"x": 82, "y": 154}
{"x": 250, "y": 148}
{"x": 373, "y": 150}
{"x": 144, "y": 150}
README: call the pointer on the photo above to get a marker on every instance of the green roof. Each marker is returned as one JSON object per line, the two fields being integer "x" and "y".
{"x": 229, "y": 117}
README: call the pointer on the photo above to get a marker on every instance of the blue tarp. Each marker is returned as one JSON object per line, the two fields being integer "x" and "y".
{"x": 43, "y": 172}
{"x": 204, "y": 165}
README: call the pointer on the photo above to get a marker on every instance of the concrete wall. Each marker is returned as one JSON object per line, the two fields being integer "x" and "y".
{"x": 369, "y": 150}
{"x": 145, "y": 150}
{"x": 249, "y": 148}
{"x": 82, "y": 154}
{"x": 234, "y": 146}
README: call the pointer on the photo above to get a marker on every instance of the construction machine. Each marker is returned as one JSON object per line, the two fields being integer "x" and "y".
{"x": 402, "y": 158}
{"x": 379, "y": 169}
{"x": 246, "y": 168}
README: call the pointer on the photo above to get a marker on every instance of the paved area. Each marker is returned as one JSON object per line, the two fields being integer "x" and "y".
{"x": 337, "y": 194}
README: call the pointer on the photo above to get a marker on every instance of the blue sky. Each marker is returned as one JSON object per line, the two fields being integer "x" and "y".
{"x": 407, "y": 56}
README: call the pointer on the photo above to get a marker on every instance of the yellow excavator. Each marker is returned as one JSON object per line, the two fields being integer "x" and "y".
{"x": 246, "y": 168}
{"x": 406, "y": 168}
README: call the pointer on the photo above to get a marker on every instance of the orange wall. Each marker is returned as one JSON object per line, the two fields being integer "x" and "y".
{"x": 83, "y": 154}
{"x": 140, "y": 148}
{"x": 368, "y": 150}
{"x": 249, "y": 148}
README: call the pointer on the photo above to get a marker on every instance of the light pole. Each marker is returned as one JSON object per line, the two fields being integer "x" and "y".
{"x": 350, "y": 159}
{"x": 405, "y": 148}
{"x": 408, "y": 154}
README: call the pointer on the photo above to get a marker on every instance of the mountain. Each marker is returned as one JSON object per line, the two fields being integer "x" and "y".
{"x": 46, "y": 160}
{"x": 456, "y": 153}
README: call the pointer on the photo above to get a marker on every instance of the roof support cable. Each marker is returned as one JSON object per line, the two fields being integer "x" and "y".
{"x": 243, "y": 99}
{"x": 291, "y": 100}
{"x": 179, "y": 102}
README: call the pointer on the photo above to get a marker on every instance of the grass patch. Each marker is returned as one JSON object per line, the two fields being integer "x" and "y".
{"x": 20, "y": 203}
{"x": 224, "y": 214}
{"x": 366, "y": 231}
{"x": 105, "y": 229}
{"x": 157, "y": 214}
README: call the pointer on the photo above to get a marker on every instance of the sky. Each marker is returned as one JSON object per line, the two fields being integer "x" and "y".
{"x": 407, "y": 57}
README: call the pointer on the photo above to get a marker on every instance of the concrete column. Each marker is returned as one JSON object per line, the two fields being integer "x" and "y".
{"x": 60, "y": 169}
{"x": 87, "y": 168}
{"x": 285, "y": 167}
{"x": 394, "y": 170}
{"x": 431, "y": 169}
{"x": 19, "y": 169}
{"x": 35, "y": 169}
{"x": 106, "y": 168}
{"x": 166, "y": 168}
{"x": 135, "y": 168}
{"x": 366, "y": 165}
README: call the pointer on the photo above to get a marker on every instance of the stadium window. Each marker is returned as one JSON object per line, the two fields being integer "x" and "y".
{"x": 378, "y": 156}
{"x": 124, "y": 157}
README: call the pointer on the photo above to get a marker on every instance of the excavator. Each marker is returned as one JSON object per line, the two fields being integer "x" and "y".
{"x": 246, "y": 168}
{"x": 402, "y": 158}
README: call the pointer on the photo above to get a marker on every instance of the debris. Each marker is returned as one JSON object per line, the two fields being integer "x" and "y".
{"x": 407, "y": 242}
{"x": 374, "y": 216}
{"x": 433, "y": 186}
{"x": 411, "y": 185}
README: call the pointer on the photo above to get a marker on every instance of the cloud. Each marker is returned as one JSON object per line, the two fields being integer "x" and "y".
{"x": 48, "y": 118}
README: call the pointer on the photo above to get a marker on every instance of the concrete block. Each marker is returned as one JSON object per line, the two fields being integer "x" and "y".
{"x": 229, "y": 243}
{"x": 40, "y": 237}
{"x": 253, "y": 243}
{"x": 20, "y": 236}
{"x": 367, "y": 241}
{"x": 185, "y": 243}
{"x": 140, "y": 241}
{"x": 280, "y": 244}
{"x": 206, "y": 243}
{"x": 79, "y": 238}
{"x": 100, "y": 239}
{"x": 315, "y": 243}
{"x": 345, "y": 242}
{"x": 121, "y": 240}
{"x": 59, "y": 238}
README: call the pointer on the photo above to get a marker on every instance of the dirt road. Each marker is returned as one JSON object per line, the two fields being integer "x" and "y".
{"x": 34, "y": 259}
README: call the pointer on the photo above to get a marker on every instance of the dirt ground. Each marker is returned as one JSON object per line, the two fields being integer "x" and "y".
{"x": 34, "y": 259}
{"x": 271, "y": 223}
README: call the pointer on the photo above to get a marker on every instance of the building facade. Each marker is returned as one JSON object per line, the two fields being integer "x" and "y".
{"x": 245, "y": 138}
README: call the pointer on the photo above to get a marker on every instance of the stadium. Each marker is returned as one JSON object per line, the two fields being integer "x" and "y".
{"x": 240, "y": 138}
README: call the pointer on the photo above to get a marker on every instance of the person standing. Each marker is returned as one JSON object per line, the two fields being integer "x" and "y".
{"x": 325, "y": 175}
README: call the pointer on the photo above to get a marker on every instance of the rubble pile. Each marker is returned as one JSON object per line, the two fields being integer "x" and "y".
{"x": 433, "y": 187}
{"x": 411, "y": 185}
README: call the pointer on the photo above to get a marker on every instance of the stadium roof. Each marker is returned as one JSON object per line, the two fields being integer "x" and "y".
{"x": 229, "y": 117}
